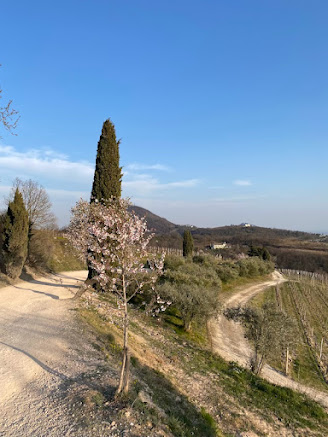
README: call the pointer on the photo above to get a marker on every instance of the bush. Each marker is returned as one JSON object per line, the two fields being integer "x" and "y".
{"x": 193, "y": 290}
{"x": 227, "y": 272}
{"x": 172, "y": 262}
{"x": 41, "y": 249}
{"x": 190, "y": 273}
{"x": 254, "y": 266}
{"x": 192, "y": 301}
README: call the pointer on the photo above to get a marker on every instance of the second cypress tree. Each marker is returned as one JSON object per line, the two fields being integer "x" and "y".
{"x": 188, "y": 243}
{"x": 108, "y": 173}
{"x": 15, "y": 237}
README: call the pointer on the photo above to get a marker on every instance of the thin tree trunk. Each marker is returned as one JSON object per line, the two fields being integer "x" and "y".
{"x": 125, "y": 369}
{"x": 260, "y": 365}
{"x": 187, "y": 326}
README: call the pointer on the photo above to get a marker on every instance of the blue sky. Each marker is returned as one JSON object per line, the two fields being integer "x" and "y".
{"x": 221, "y": 105}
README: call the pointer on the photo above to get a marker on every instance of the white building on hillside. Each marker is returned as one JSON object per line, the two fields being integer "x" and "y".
{"x": 214, "y": 246}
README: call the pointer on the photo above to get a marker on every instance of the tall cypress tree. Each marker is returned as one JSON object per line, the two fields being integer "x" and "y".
{"x": 15, "y": 237}
{"x": 188, "y": 243}
{"x": 108, "y": 173}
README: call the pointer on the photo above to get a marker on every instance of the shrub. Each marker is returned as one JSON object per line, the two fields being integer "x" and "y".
{"x": 193, "y": 290}
{"x": 227, "y": 272}
{"x": 41, "y": 249}
{"x": 172, "y": 262}
{"x": 193, "y": 301}
{"x": 254, "y": 266}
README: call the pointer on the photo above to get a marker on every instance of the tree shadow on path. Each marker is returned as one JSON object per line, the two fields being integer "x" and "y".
{"x": 53, "y": 296}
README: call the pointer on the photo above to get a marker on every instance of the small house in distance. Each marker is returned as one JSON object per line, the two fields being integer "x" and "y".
{"x": 246, "y": 225}
{"x": 215, "y": 246}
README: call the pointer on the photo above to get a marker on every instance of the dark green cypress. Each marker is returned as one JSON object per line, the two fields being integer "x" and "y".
{"x": 15, "y": 237}
{"x": 188, "y": 243}
{"x": 108, "y": 173}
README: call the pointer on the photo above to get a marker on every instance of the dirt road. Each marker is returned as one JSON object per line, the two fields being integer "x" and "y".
{"x": 228, "y": 340}
{"x": 41, "y": 349}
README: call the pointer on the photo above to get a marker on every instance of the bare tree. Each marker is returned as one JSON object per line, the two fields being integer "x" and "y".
{"x": 37, "y": 204}
{"x": 40, "y": 218}
{"x": 8, "y": 115}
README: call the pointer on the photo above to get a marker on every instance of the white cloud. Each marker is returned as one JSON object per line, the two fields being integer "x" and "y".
{"x": 242, "y": 182}
{"x": 69, "y": 194}
{"x": 45, "y": 164}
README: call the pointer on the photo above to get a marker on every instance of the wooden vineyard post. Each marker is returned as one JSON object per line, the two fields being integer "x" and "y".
{"x": 287, "y": 360}
{"x": 321, "y": 345}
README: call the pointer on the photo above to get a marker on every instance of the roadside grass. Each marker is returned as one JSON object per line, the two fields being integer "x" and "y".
{"x": 227, "y": 383}
{"x": 290, "y": 407}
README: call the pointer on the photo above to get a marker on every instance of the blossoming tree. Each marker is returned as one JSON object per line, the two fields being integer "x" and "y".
{"x": 113, "y": 241}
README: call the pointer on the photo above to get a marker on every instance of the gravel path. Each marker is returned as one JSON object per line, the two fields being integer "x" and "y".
{"x": 228, "y": 340}
{"x": 42, "y": 352}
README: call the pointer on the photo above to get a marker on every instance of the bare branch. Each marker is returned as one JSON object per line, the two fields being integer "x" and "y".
{"x": 8, "y": 115}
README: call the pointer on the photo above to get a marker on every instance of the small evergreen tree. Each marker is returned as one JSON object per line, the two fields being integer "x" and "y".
{"x": 15, "y": 237}
{"x": 261, "y": 252}
{"x": 108, "y": 173}
{"x": 266, "y": 254}
{"x": 188, "y": 243}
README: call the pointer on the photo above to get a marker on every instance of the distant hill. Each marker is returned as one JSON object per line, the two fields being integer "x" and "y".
{"x": 238, "y": 234}
{"x": 155, "y": 223}
{"x": 290, "y": 249}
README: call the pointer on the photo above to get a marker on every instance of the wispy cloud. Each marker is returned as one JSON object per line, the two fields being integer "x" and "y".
{"x": 238, "y": 199}
{"x": 243, "y": 182}
{"x": 143, "y": 184}
{"x": 139, "y": 167}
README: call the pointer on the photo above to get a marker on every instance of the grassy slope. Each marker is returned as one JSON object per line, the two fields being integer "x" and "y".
{"x": 194, "y": 390}
{"x": 305, "y": 302}
{"x": 64, "y": 257}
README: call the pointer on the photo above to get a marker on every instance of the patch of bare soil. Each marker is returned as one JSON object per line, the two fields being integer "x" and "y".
{"x": 229, "y": 341}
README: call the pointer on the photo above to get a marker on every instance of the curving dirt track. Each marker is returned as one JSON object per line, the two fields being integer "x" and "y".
{"x": 228, "y": 340}
{"x": 41, "y": 350}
